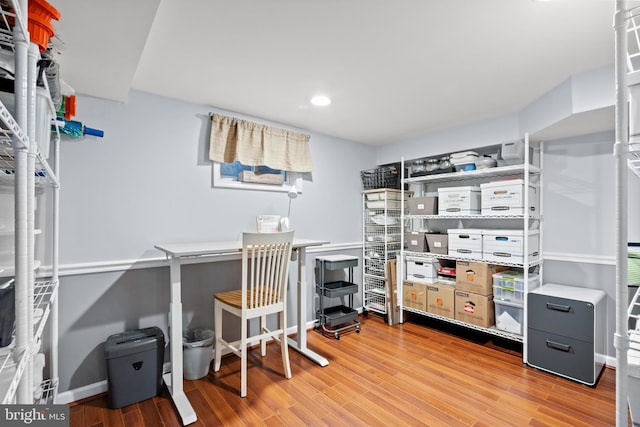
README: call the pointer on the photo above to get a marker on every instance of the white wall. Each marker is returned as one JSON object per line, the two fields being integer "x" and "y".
{"x": 149, "y": 181}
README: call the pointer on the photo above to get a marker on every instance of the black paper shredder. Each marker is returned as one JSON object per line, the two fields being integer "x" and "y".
{"x": 134, "y": 366}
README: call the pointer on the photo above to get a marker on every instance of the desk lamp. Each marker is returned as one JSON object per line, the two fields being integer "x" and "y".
{"x": 284, "y": 222}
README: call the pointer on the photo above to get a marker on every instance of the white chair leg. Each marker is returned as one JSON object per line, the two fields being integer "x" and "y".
{"x": 263, "y": 341}
{"x": 243, "y": 359}
{"x": 284, "y": 345}
{"x": 218, "y": 335}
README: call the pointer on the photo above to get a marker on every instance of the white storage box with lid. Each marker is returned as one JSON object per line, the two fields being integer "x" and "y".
{"x": 465, "y": 242}
{"x": 459, "y": 200}
{"x": 465, "y": 160}
{"x": 422, "y": 270}
{"x": 508, "y": 245}
{"x": 509, "y": 285}
{"x": 507, "y": 197}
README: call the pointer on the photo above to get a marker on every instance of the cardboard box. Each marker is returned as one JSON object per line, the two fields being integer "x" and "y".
{"x": 476, "y": 277}
{"x": 261, "y": 178}
{"x": 416, "y": 241}
{"x": 441, "y": 299}
{"x": 414, "y": 295}
{"x": 438, "y": 243}
{"x": 474, "y": 309}
{"x": 423, "y": 206}
{"x": 392, "y": 284}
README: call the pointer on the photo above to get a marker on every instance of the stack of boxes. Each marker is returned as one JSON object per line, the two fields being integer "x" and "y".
{"x": 481, "y": 294}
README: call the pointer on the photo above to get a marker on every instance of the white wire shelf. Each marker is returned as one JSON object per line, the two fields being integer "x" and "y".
{"x": 10, "y": 370}
{"x": 44, "y": 175}
{"x": 478, "y": 173}
{"x": 431, "y": 255}
{"x": 44, "y": 293}
{"x": 491, "y": 330}
{"x": 479, "y": 217}
{"x": 634, "y": 157}
{"x": 634, "y": 313}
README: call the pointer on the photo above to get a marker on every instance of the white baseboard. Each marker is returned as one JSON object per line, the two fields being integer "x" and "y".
{"x": 81, "y": 393}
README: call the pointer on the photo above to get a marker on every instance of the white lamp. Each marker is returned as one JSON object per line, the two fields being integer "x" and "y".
{"x": 284, "y": 222}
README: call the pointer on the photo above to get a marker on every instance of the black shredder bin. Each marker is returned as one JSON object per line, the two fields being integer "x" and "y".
{"x": 134, "y": 366}
{"x": 7, "y": 313}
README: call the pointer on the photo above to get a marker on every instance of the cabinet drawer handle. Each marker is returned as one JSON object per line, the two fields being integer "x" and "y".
{"x": 463, "y": 251}
{"x": 558, "y": 307}
{"x": 556, "y": 345}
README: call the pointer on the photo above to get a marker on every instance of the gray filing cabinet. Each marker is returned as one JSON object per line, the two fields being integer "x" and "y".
{"x": 566, "y": 331}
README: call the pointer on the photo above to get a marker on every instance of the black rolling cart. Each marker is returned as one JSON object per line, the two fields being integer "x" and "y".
{"x": 336, "y": 318}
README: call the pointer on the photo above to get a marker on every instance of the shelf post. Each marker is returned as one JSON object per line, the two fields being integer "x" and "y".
{"x": 621, "y": 339}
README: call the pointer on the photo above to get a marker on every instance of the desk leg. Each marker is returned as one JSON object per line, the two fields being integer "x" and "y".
{"x": 173, "y": 380}
{"x": 300, "y": 343}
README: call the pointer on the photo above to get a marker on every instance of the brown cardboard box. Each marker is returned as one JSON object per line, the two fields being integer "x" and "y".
{"x": 392, "y": 286}
{"x": 414, "y": 295}
{"x": 416, "y": 241}
{"x": 441, "y": 299}
{"x": 476, "y": 277}
{"x": 475, "y": 309}
{"x": 438, "y": 243}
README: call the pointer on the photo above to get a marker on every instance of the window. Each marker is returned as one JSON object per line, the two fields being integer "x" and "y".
{"x": 226, "y": 175}
{"x": 255, "y": 156}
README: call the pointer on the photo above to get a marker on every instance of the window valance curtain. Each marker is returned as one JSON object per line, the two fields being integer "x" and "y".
{"x": 253, "y": 144}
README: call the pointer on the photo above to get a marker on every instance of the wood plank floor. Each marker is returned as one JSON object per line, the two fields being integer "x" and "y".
{"x": 411, "y": 374}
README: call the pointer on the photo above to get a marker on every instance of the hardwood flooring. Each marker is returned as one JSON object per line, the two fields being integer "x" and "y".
{"x": 406, "y": 375}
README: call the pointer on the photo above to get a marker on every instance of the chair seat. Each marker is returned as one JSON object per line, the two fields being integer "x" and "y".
{"x": 234, "y": 298}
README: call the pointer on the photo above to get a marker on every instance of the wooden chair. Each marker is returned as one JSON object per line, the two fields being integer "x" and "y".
{"x": 265, "y": 271}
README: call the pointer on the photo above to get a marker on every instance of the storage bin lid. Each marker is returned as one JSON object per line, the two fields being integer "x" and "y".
{"x": 518, "y": 233}
{"x": 467, "y": 188}
{"x": 464, "y": 155}
{"x": 508, "y": 303}
{"x": 464, "y": 231}
{"x": 517, "y": 181}
{"x": 134, "y": 341}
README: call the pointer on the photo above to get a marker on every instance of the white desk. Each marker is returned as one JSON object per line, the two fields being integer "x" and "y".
{"x": 177, "y": 252}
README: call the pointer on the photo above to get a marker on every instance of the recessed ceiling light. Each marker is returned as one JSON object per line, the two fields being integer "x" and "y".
{"x": 321, "y": 100}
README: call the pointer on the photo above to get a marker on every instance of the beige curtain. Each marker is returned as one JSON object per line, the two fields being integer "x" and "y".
{"x": 254, "y": 144}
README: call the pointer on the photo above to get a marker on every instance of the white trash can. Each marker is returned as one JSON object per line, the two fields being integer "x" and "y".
{"x": 197, "y": 345}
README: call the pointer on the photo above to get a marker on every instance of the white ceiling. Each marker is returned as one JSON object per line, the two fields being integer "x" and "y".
{"x": 394, "y": 69}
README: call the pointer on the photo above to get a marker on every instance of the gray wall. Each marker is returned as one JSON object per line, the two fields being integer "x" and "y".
{"x": 149, "y": 181}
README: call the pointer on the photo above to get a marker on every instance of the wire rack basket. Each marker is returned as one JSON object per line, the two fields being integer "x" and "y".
{"x": 381, "y": 177}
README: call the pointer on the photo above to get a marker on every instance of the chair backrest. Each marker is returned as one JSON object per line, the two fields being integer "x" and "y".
{"x": 265, "y": 268}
